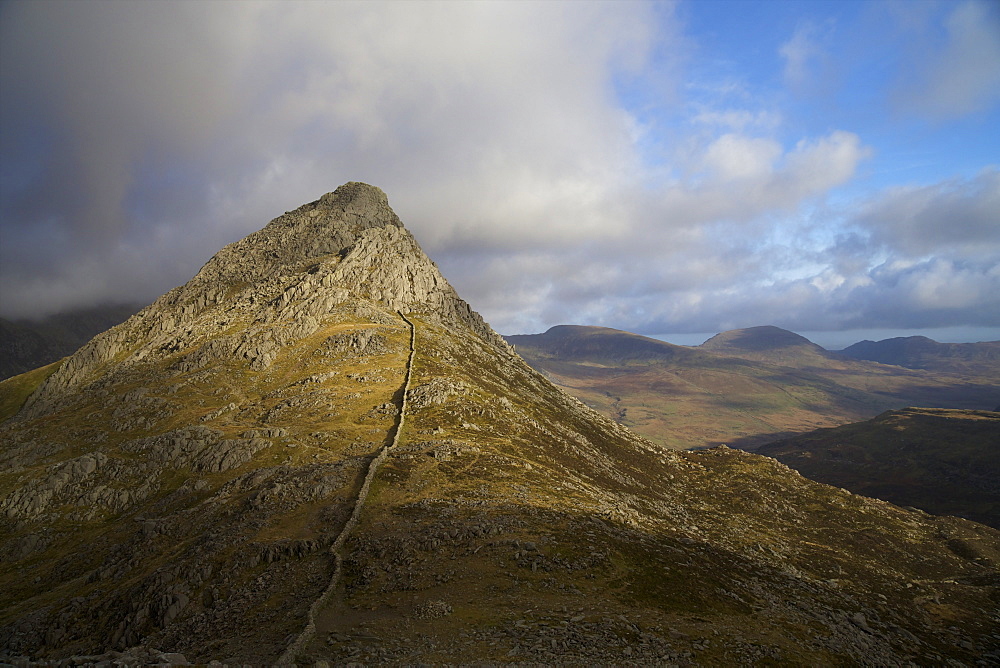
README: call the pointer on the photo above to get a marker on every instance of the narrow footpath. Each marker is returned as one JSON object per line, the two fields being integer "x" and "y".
{"x": 300, "y": 643}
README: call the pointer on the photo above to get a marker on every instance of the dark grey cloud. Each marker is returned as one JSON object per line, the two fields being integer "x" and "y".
{"x": 954, "y": 216}
{"x": 166, "y": 129}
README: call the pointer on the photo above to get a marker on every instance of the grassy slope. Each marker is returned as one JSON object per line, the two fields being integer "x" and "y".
{"x": 16, "y": 390}
{"x": 319, "y": 445}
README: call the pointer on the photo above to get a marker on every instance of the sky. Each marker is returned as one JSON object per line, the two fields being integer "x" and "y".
{"x": 671, "y": 169}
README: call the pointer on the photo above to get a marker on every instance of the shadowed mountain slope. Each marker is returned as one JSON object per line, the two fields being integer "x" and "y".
{"x": 26, "y": 344}
{"x": 743, "y": 388}
{"x": 920, "y": 352}
{"x": 315, "y": 451}
{"x": 945, "y": 462}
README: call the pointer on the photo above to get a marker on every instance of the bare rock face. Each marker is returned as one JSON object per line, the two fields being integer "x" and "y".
{"x": 325, "y": 227}
{"x": 280, "y": 282}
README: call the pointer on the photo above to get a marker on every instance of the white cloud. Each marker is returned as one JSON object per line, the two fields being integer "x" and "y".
{"x": 738, "y": 120}
{"x": 807, "y": 57}
{"x": 942, "y": 285}
{"x": 799, "y": 54}
{"x": 750, "y": 176}
{"x": 733, "y": 157}
{"x": 874, "y": 271}
{"x": 817, "y": 165}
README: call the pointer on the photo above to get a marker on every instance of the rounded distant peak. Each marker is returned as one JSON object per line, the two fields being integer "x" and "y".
{"x": 766, "y": 337}
{"x": 563, "y": 331}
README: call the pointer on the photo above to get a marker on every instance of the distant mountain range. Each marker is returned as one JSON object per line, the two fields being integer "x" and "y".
{"x": 919, "y": 352}
{"x": 742, "y": 387}
{"x": 749, "y": 386}
{"x": 945, "y": 462}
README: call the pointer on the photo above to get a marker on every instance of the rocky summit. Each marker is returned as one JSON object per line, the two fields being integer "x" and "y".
{"x": 315, "y": 451}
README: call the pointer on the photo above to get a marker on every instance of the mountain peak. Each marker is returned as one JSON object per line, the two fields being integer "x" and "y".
{"x": 354, "y": 192}
{"x": 767, "y": 344}
{"x": 581, "y": 342}
{"x": 327, "y": 226}
{"x": 766, "y": 337}
{"x": 346, "y": 250}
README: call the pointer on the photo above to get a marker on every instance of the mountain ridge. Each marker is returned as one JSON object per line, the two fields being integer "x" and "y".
{"x": 583, "y": 340}
{"x": 921, "y": 352}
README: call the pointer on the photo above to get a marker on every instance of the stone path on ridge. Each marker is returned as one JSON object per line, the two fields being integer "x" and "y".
{"x": 300, "y": 643}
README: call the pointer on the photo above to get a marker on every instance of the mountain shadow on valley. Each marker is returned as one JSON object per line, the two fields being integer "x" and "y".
{"x": 945, "y": 462}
